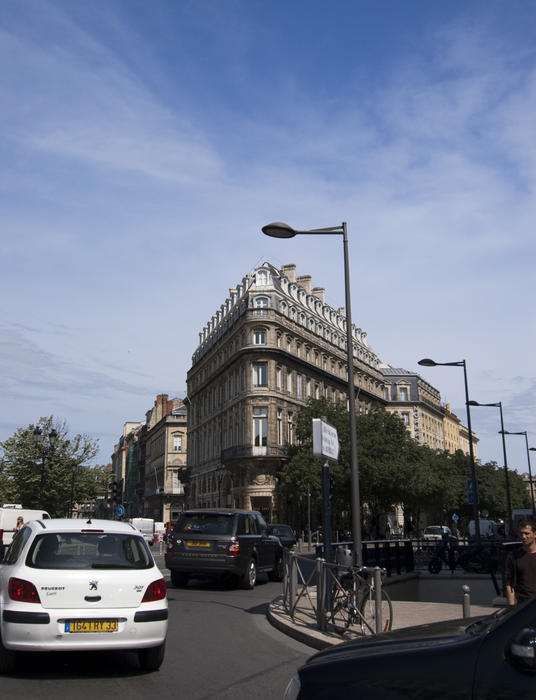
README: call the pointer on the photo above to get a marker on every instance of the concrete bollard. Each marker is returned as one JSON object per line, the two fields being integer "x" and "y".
{"x": 466, "y": 601}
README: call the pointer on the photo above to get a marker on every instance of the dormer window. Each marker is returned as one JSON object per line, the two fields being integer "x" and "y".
{"x": 262, "y": 278}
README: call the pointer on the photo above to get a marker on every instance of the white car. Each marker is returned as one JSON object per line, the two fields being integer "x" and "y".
{"x": 435, "y": 533}
{"x": 81, "y": 585}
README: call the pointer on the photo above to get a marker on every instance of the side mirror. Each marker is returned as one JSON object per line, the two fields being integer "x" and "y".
{"x": 523, "y": 649}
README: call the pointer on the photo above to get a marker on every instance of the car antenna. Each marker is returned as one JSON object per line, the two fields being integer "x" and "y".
{"x": 88, "y": 522}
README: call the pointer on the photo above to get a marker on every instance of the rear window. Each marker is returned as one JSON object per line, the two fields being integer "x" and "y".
{"x": 433, "y": 530}
{"x": 88, "y": 550}
{"x": 205, "y": 524}
{"x": 281, "y": 530}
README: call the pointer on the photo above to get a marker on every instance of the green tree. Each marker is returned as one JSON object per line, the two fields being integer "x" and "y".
{"x": 22, "y": 467}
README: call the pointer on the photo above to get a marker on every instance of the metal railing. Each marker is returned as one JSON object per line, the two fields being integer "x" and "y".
{"x": 306, "y": 589}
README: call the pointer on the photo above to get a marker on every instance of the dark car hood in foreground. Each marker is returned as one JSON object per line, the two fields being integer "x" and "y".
{"x": 435, "y": 633}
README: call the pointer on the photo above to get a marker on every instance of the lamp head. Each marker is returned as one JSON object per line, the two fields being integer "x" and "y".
{"x": 278, "y": 229}
{"x": 52, "y": 437}
{"x": 427, "y": 362}
{"x": 37, "y": 435}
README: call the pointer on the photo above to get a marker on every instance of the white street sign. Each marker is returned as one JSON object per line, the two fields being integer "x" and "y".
{"x": 325, "y": 440}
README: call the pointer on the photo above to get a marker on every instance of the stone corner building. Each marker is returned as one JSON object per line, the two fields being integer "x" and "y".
{"x": 271, "y": 345}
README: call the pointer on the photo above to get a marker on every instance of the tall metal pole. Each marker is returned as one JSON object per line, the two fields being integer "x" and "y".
{"x": 507, "y": 482}
{"x": 279, "y": 229}
{"x": 530, "y": 475}
{"x": 356, "y": 502}
{"x": 474, "y": 488}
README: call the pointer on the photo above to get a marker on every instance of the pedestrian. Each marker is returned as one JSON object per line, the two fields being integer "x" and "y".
{"x": 521, "y": 566}
{"x": 20, "y": 523}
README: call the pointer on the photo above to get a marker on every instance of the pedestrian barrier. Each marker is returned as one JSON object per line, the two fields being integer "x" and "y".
{"x": 308, "y": 586}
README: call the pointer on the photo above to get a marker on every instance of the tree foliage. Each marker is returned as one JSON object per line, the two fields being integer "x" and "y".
{"x": 394, "y": 470}
{"x": 67, "y": 476}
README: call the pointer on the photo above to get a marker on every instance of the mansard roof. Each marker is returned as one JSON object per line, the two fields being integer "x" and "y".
{"x": 293, "y": 297}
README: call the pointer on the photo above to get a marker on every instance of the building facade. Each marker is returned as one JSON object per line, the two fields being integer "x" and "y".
{"x": 150, "y": 462}
{"x": 271, "y": 345}
{"x": 428, "y": 421}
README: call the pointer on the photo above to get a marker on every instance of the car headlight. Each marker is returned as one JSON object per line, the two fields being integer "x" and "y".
{"x": 293, "y": 688}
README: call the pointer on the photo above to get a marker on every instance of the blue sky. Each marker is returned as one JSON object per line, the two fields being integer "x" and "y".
{"x": 143, "y": 145}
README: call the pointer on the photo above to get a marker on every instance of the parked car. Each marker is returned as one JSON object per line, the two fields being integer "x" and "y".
{"x": 436, "y": 533}
{"x": 286, "y": 534}
{"x": 486, "y": 657}
{"x": 81, "y": 585}
{"x": 223, "y": 542}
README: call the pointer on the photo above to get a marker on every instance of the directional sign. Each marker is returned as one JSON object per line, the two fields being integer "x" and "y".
{"x": 120, "y": 510}
{"x": 325, "y": 440}
{"x": 455, "y": 517}
{"x": 470, "y": 494}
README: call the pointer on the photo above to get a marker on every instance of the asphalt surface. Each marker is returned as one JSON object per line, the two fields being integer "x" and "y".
{"x": 220, "y": 645}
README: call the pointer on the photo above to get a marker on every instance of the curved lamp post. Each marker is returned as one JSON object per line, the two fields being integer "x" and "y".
{"x": 44, "y": 451}
{"x": 498, "y": 405}
{"x": 281, "y": 230}
{"x": 524, "y": 432}
{"x": 426, "y": 362}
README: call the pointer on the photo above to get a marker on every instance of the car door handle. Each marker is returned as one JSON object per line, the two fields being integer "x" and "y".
{"x": 92, "y": 598}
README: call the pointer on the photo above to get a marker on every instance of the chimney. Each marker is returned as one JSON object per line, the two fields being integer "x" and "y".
{"x": 305, "y": 282}
{"x": 318, "y": 292}
{"x": 289, "y": 271}
{"x": 161, "y": 405}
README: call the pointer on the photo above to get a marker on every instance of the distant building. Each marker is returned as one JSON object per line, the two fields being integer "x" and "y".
{"x": 418, "y": 404}
{"x": 149, "y": 462}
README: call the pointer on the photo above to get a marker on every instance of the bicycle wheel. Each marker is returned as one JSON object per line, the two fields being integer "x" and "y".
{"x": 341, "y": 608}
{"x": 367, "y": 609}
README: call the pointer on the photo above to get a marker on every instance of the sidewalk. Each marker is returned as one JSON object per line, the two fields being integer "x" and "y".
{"x": 405, "y": 614}
{"x": 303, "y": 627}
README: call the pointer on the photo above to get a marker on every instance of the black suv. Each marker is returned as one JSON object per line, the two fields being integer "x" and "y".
{"x": 219, "y": 542}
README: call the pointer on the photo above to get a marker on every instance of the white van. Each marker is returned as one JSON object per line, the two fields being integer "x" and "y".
{"x": 9, "y": 513}
{"x": 146, "y": 527}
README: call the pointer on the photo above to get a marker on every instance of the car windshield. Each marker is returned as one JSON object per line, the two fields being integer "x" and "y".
{"x": 89, "y": 550}
{"x": 281, "y": 530}
{"x": 205, "y": 523}
{"x": 488, "y": 622}
{"x": 433, "y": 530}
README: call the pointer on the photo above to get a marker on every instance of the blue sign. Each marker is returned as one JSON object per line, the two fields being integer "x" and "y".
{"x": 455, "y": 517}
{"x": 470, "y": 494}
{"x": 120, "y": 510}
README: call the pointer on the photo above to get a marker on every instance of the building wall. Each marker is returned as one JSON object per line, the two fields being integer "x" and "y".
{"x": 166, "y": 450}
{"x": 271, "y": 345}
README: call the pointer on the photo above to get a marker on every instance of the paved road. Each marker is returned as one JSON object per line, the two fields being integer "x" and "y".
{"x": 219, "y": 645}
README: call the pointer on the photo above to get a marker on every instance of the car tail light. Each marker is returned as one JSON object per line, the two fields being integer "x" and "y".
{"x": 234, "y": 547}
{"x": 22, "y": 591}
{"x": 1, "y": 536}
{"x": 155, "y": 591}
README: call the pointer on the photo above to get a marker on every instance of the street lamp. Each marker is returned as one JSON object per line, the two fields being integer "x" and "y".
{"x": 44, "y": 451}
{"x": 426, "y": 362}
{"x": 281, "y": 230}
{"x": 498, "y": 405}
{"x": 524, "y": 432}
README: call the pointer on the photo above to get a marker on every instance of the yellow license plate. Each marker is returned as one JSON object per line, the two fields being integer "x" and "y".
{"x": 91, "y": 625}
{"x": 196, "y": 543}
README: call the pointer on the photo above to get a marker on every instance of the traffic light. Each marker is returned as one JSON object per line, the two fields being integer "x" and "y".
{"x": 114, "y": 492}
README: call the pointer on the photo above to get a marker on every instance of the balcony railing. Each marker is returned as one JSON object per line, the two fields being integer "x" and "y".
{"x": 245, "y": 451}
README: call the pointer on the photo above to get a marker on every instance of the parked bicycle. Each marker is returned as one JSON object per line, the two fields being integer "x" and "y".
{"x": 353, "y": 602}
